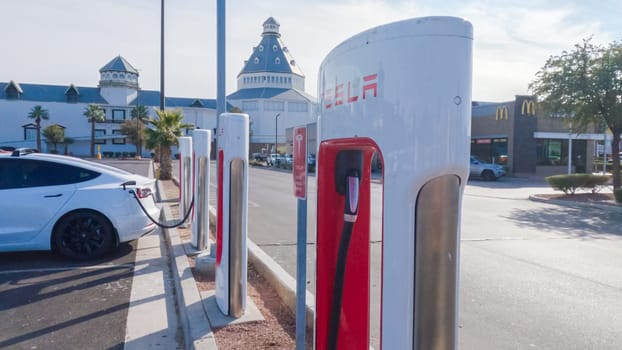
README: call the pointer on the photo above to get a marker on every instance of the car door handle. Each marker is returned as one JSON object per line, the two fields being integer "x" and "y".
{"x": 53, "y": 195}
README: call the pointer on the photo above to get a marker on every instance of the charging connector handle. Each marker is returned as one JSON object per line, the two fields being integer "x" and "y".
{"x": 186, "y": 215}
{"x": 352, "y": 197}
{"x": 350, "y": 214}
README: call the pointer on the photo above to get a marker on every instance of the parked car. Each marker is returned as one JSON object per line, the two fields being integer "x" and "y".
{"x": 486, "y": 171}
{"x": 74, "y": 207}
{"x": 272, "y": 159}
{"x": 284, "y": 161}
{"x": 260, "y": 157}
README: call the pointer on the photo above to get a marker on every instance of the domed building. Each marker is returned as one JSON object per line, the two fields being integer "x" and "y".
{"x": 117, "y": 93}
{"x": 118, "y": 81}
{"x": 271, "y": 91}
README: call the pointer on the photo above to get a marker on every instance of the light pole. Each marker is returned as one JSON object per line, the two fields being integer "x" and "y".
{"x": 276, "y": 134}
{"x": 161, "y": 55}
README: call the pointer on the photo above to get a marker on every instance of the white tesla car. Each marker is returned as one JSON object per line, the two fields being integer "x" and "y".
{"x": 75, "y": 207}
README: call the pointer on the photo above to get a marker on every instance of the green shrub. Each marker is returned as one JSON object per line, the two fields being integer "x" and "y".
{"x": 618, "y": 194}
{"x": 570, "y": 183}
{"x": 596, "y": 181}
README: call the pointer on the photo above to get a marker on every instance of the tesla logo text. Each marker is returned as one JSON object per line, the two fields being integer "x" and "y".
{"x": 349, "y": 93}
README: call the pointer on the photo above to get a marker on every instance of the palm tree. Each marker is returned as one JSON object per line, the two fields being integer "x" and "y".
{"x": 38, "y": 113}
{"x": 166, "y": 129}
{"x": 94, "y": 114}
{"x": 140, "y": 113}
{"x": 54, "y": 134}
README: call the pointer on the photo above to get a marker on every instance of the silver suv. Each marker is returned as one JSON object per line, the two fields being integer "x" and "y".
{"x": 486, "y": 171}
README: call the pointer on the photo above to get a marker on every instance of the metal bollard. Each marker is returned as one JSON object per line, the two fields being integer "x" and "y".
{"x": 185, "y": 176}
{"x": 200, "y": 223}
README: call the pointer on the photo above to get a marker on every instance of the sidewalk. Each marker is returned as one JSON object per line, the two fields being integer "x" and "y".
{"x": 196, "y": 329}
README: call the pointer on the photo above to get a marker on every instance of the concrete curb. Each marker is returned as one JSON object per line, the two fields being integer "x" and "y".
{"x": 572, "y": 204}
{"x": 194, "y": 322}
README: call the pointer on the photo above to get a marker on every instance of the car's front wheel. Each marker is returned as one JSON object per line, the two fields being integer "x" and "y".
{"x": 83, "y": 235}
{"x": 489, "y": 175}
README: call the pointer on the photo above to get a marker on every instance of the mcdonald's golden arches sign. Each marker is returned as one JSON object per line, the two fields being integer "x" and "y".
{"x": 501, "y": 113}
{"x": 528, "y": 108}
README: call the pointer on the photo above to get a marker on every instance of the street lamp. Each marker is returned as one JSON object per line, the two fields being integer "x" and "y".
{"x": 161, "y": 55}
{"x": 276, "y": 134}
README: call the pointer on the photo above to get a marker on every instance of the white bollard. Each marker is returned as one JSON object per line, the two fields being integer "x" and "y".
{"x": 231, "y": 251}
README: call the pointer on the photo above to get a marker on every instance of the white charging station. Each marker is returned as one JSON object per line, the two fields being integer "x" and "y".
{"x": 231, "y": 229}
{"x": 185, "y": 175}
{"x": 402, "y": 90}
{"x": 201, "y": 144}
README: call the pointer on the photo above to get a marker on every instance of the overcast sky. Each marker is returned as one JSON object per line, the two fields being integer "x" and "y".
{"x": 67, "y": 41}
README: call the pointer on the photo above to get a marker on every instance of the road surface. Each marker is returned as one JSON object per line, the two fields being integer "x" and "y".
{"x": 532, "y": 275}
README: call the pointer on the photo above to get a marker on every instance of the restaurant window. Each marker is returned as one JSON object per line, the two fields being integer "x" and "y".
{"x": 549, "y": 152}
{"x": 491, "y": 150}
{"x": 555, "y": 152}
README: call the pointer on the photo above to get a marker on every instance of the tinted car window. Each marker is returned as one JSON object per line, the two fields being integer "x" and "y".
{"x": 20, "y": 173}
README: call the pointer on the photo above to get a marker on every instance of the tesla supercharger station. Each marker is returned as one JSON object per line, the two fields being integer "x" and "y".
{"x": 201, "y": 140}
{"x": 231, "y": 228}
{"x": 402, "y": 90}
{"x": 185, "y": 175}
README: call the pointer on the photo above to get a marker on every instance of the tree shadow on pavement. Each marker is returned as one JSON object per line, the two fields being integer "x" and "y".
{"x": 571, "y": 221}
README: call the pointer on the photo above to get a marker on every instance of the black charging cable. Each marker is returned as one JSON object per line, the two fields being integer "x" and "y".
{"x": 159, "y": 223}
{"x": 349, "y": 216}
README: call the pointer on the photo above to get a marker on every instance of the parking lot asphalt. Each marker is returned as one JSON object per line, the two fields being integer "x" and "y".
{"x": 47, "y": 302}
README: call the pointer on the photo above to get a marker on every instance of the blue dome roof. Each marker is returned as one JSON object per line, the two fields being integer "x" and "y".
{"x": 118, "y": 64}
{"x": 271, "y": 55}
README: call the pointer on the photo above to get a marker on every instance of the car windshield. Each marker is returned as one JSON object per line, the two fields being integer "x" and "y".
{"x": 475, "y": 159}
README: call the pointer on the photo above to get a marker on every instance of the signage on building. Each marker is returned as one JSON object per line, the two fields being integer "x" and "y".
{"x": 501, "y": 113}
{"x": 528, "y": 107}
{"x": 483, "y": 141}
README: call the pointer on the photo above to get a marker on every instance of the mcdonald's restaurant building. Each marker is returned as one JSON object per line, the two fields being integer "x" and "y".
{"x": 517, "y": 135}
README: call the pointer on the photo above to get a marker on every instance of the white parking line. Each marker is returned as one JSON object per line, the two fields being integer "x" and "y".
{"x": 57, "y": 269}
